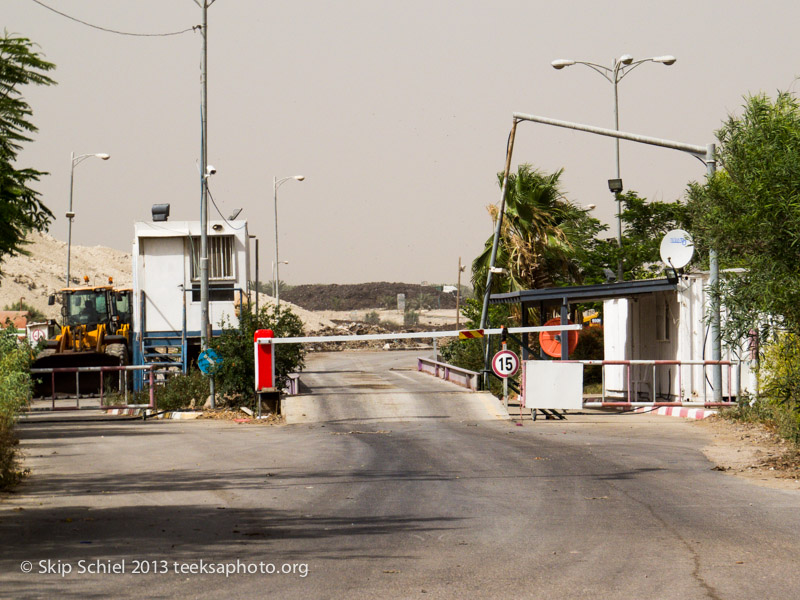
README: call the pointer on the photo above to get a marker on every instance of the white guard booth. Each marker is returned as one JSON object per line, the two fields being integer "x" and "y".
{"x": 166, "y": 275}
{"x": 669, "y": 325}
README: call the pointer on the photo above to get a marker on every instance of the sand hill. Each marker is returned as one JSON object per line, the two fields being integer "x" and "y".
{"x": 43, "y": 271}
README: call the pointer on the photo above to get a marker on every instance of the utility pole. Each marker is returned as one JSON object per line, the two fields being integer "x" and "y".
{"x": 458, "y": 294}
{"x": 204, "y": 320}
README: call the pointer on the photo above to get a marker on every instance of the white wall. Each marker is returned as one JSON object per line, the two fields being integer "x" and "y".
{"x": 162, "y": 270}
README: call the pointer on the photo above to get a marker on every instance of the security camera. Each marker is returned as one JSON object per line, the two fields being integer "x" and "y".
{"x": 211, "y": 170}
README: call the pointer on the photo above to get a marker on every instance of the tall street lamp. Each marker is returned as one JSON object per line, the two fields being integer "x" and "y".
{"x": 275, "y": 279}
{"x": 276, "y": 183}
{"x": 614, "y": 74}
{"x": 74, "y": 161}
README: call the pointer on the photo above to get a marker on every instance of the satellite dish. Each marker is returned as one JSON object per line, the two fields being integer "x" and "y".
{"x": 677, "y": 248}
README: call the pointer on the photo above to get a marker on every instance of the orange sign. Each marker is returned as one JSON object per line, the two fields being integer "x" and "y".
{"x": 550, "y": 341}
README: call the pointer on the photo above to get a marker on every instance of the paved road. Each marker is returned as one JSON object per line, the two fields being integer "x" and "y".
{"x": 434, "y": 503}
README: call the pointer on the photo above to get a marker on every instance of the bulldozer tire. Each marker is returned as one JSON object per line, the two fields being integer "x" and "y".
{"x": 120, "y": 351}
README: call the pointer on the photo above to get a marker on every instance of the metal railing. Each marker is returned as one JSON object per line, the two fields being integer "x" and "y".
{"x": 463, "y": 377}
{"x": 123, "y": 384}
{"x": 633, "y": 394}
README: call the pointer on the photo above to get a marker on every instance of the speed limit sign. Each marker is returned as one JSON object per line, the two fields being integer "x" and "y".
{"x": 505, "y": 363}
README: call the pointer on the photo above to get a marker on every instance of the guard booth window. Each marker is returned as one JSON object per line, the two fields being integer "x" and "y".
{"x": 220, "y": 258}
{"x": 221, "y": 268}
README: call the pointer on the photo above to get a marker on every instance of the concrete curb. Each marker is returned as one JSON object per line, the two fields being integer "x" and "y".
{"x": 678, "y": 411}
{"x": 138, "y": 412}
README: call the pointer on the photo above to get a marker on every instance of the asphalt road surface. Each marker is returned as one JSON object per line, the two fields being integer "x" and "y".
{"x": 390, "y": 484}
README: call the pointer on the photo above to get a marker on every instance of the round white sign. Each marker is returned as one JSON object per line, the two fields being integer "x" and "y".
{"x": 505, "y": 363}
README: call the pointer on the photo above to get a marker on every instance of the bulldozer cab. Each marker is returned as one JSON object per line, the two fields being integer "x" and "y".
{"x": 123, "y": 306}
{"x": 88, "y": 307}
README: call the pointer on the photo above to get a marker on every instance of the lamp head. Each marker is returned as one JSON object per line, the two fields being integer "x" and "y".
{"x": 625, "y": 59}
{"x": 561, "y": 63}
{"x": 667, "y": 60}
{"x": 103, "y": 156}
{"x": 615, "y": 185}
{"x": 299, "y": 177}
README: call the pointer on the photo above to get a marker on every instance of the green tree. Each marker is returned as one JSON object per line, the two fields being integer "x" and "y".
{"x": 21, "y": 210}
{"x": 544, "y": 237}
{"x": 644, "y": 225}
{"x": 235, "y": 347}
{"x": 750, "y": 213}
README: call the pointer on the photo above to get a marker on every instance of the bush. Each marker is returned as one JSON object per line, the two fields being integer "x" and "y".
{"x": 410, "y": 318}
{"x": 15, "y": 388}
{"x": 778, "y": 404}
{"x": 236, "y": 378}
{"x": 372, "y": 318}
{"x": 180, "y": 390}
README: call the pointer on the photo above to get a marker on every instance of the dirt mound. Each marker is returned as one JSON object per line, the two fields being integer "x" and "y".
{"x": 358, "y": 328}
{"x": 368, "y": 295}
{"x": 35, "y": 276}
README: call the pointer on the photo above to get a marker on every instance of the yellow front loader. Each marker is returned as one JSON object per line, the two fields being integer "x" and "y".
{"x": 95, "y": 332}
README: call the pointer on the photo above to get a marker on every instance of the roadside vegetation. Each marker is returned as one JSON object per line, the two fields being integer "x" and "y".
{"x": 750, "y": 213}
{"x": 15, "y": 387}
{"x": 22, "y": 212}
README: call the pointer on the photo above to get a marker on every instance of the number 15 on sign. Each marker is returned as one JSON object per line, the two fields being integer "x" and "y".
{"x": 505, "y": 363}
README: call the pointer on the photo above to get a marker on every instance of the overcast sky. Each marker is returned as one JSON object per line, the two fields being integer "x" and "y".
{"x": 397, "y": 113}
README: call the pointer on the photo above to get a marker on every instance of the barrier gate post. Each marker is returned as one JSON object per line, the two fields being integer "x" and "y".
{"x": 265, "y": 365}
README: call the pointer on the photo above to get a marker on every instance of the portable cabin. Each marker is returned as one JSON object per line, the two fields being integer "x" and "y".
{"x": 166, "y": 286}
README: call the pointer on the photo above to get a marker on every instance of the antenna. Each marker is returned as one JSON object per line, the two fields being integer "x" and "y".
{"x": 677, "y": 248}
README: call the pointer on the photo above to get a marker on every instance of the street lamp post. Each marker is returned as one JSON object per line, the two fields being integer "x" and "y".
{"x": 74, "y": 161}
{"x": 275, "y": 279}
{"x": 276, "y": 183}
{"x": 614, "y": 74}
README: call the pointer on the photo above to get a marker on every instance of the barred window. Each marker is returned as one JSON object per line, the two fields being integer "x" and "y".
{"x": 220, "y": 258}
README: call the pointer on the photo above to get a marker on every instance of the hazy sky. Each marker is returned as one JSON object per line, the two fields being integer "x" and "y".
{"x": 397, "y": 113}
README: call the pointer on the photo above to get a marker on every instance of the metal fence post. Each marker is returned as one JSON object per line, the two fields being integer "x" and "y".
{"x": 152, "y": 388}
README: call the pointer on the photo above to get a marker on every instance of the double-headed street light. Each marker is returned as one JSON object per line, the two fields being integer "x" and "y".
{"x": 74, "y": 162}
{"x": 614, "y": 74}
{"x": 276, "y": 183}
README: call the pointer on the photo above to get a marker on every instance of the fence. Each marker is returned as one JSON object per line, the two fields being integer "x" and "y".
{"x": 463, "y": 377}
{"x": 122, "y": 370}
{"x": 633, "y": 394}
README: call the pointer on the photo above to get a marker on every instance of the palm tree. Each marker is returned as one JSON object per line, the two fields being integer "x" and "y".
{"x": 542, "y": 237}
